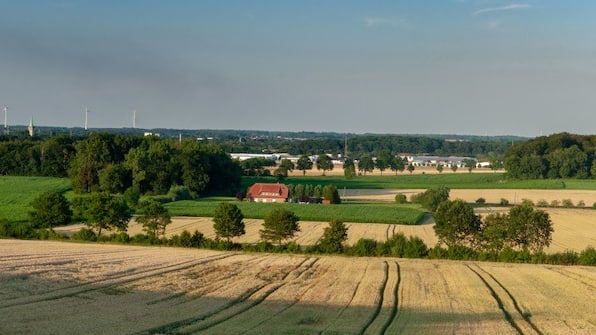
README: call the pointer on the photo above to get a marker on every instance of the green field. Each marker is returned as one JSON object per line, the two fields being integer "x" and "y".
{"x": 352, "y": 212}
{"x": 423, "y": 181}
{"x": 17, "y": 193}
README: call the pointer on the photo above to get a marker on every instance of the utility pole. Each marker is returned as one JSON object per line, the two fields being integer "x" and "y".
{"x": 5, "y": 120}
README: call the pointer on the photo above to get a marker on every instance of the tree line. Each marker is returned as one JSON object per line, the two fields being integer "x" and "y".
{"x": 114, "y": 163}
{"x": 556, "y": 156}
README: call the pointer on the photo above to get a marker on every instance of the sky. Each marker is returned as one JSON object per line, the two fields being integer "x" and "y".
{"x": 469, "y": 67}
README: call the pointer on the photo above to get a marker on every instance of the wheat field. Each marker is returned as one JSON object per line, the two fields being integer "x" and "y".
{"x": 75, "y": 288}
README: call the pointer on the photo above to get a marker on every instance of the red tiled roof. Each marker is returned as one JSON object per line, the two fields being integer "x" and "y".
{"x": 264, "y": 190}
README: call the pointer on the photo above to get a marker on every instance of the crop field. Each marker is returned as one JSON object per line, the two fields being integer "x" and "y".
{"x": 71, "y": 288}
{"x": 574, "y": 229}
{"x": 354, "y": 212}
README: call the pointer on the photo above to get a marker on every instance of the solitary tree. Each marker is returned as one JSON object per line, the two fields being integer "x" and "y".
{"x": 440, "y": 167}
{"x": 411, "y": 168}
{"x": 228, "y": 221}
{"x": 529, "y": 228}
{"x": 279, "y": 224}
{"x": 383, "y": 159}
{"x": 304, "y": 163}
{"x": 324, "y": 163}
{"x": 397, "y": 164}
{"x": 333, "y": 237}
{"x": 50, "y": 209}
{"x": 453, "y": 167}
{"x": 103, "y": 211}
{"x": 155, "y": 218}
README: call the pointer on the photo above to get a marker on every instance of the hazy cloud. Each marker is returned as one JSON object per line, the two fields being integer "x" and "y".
{"x": 500, "y": 9}
{"x": 372, "y": 21}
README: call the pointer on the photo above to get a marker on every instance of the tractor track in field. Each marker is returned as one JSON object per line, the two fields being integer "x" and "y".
{"x": 381, "y": 296}
{"x": 395, "y": 307}
{"x": 573, "y": 276}
{"x": 243, "y": 303}
{"x": 110, "y": 282}
{"x": 341, "y": 312}
{"x": 510, "y": 316}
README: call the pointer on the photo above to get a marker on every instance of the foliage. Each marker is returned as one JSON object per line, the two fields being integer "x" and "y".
{"x": 178, "y": 192}
{"x": 278, "y": 225}
{"x": 333, "y": 238}
{"x": 330, "y": 193}
{"x": 456, "y": 223}
{"x": 401, "y": 199}
{"x": 529, "y": 228}
{"x": 504, "y": 202}
{"x": 228, "y": 221}
{"x": 324, "y": 163}
{"x": 132, "y": 196}
{"x": 432, "y": 197}
{"x": 481, "y": 200}
{"x": 50, "y": 209}
{"x": 304, "y": 163}
{"x": 556, "y": 156}
{"x": 85, "y": 234}
{"x": 154, "y": 218}
{"x": 349, "y": 169}
{"x": 103, "y": 211}
{"x": 587, "y": 257}
{"x": 366, "y": 164}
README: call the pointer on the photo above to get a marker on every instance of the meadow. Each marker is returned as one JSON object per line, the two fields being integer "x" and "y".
{"x": 73, "y": 288}
{"x": 17, "y": 193}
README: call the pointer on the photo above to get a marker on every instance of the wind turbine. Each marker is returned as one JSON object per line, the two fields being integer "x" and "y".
{"x": 5, "y": 109}
{"x": 86, "y": 114}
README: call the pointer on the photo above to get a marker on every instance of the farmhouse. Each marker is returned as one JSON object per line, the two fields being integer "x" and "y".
{"x": 266, "y": 192}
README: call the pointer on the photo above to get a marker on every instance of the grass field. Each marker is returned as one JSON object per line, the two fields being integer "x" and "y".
{"x": 71, "y": 288}
{"x": 17, "y": 193}
{"x": 351, "y": 212}
{"x": 423, "y": 181}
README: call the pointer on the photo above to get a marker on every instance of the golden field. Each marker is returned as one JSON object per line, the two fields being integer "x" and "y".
{"x": 75, "y": 288}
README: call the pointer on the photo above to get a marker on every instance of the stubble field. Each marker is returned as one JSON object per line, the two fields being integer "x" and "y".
{"x": 70, "y": 288}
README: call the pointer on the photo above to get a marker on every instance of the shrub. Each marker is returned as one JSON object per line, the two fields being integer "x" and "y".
{"x": 401, "y": 198}
{"x": 554, "y": 203}
{"x": 292, "y": 247}
{"x": 121, "y": 237}
{"x": 563, "y": 258}
{"x": 5, "y": 228}
{"x": 432, "y": 197}
{"x": 527, "y": 202}
{"x": 594, "y": 205}
{"x": 364, "y": 247}
{"x": 480, "y": 200}
{"x": 504, "y": 202}
{"x": 47, "y": 234}
{"x": 132, "y": 196}
{"x": 178, "y": 192}
{"x": 85, "y": 234}
{"x": 141, "y": 239}
{"x": 581, "y": 204}
{"x": 587, "y": 257}
{"x": 567, "y": 203}
{"x": 542, "y": 203}
{"x": 415, "y": 248}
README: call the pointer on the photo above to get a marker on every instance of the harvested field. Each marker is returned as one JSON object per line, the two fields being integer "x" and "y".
{"x": 575, "y": 229}
{"x": 71, "y": 288}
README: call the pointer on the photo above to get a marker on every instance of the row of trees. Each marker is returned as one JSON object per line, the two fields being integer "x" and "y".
{"x": 522, "y": 228}
{"x": 557, "y": 156}
{"x": 302, "y": 193}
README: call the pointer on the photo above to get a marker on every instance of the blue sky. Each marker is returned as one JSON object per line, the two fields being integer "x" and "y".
{"x": 483, "y": 67}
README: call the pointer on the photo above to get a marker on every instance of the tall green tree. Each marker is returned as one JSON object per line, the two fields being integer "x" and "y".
{"x": 50, "y": 209}
{"x": 228, "y": 221}
{"x": 383, "y": 160}
{"x": 278, "y": 225}
{"x": 366, "y": 164}
{"x": 304, "y": 163}
{"x": 529, "y": 228}
{"x": 324, "y": 163}
{"x": 105, "y": 212}
{"x": 456, "y": 223}
{"x": 334, "y": 237}
{"x": 330, "y": 193}
{"x": 470, "y": 164}
{"x": 154, "y": 218}
{"x": 397, "y": 164}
